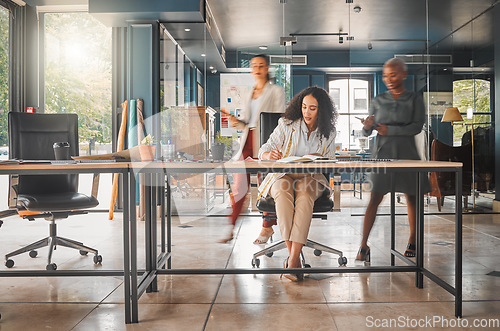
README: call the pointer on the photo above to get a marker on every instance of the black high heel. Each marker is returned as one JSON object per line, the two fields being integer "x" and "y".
{"x": 410, "y": 250}
{"x": 363, "y": 254}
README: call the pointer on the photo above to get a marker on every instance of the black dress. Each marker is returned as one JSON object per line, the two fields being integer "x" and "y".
{"x": 404, "y": 118}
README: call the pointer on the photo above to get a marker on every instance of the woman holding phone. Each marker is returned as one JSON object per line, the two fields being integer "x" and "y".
{"x": 266, "y": 97}
{"x": 397, "y": 115}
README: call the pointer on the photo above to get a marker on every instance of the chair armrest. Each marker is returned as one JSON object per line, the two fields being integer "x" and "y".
{"x": 95, "y": 185}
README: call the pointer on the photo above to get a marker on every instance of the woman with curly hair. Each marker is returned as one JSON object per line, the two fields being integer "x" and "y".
{"x": 306, "y": 127}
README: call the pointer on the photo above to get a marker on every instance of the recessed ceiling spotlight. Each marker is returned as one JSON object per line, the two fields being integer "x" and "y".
{"x": 262, "y": 47}
{"x": 187, "y": 29}
{"x": 445, "y": 69}
{"x": 203, "y": 55}
{"x": 211, "y": 67}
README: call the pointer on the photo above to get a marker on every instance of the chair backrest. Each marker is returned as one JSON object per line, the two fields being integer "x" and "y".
{"x": 31, "y": 137}
{"x": 268, "y": 122}
{"x": 446, "y": 180}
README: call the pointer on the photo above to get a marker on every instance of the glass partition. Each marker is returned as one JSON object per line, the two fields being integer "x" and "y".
{"x": 465, "y": 83}
{"x": 4, "y": 82}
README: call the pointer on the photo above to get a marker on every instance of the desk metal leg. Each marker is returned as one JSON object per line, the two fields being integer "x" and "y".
{"x": 162, "y": 210}
{"x": 154, "y": 259}
{"x": 133, "y": 249}
{"x": 126, "y": 246}
{"x": 169, "y": 221}
{"x": 148, "y": 226}
{"x": 393, "y": 219}
{"x": 458, "y": 243}
{"x": 419, "y": 277}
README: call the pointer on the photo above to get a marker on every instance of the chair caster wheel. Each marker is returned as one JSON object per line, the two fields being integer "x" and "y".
{"x": 33, "y": 254}
{"x": 317, "y": 252}
{"x": 9, "y": 263}
{"x": 342, "y": 261}
{"x": 83, "y": 252}
{"x": 97, "y": 259}
{"x": 256, "y": 263}
{"x": 51, "y": 266}
{"x": 270, "y": 254}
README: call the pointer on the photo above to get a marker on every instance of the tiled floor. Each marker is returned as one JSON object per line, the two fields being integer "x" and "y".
{"x": 254, "y": 302}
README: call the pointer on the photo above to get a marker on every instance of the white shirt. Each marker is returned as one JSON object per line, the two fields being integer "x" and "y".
{"x": 254, "y": 112}
{"x": 307, "y": 145}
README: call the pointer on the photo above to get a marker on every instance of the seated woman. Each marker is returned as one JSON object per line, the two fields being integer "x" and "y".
{"x": 306, "y": 127}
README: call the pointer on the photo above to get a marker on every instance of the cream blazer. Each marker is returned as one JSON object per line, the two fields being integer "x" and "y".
{"x": 285, "y": 137}
{"x": 272, "y": 100}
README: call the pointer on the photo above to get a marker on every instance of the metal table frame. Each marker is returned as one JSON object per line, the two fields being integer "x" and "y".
{"x": 38, "y": 168}
{"x": 158, "y": 173}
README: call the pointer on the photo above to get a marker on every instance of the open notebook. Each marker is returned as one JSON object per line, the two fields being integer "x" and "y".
{"x": 305, "y": 158}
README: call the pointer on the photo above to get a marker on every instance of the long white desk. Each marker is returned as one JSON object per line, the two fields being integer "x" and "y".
{"x": 137, "y": 281}
{"x": 159, "y": 173}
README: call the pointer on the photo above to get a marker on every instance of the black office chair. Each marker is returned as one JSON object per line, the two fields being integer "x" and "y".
{"x": 324, "y": 204}
{"x": 53, "y": 197}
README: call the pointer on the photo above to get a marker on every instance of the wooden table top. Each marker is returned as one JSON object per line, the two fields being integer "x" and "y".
{"x": 271, "y": 166}
{"x": 274, "y": 166}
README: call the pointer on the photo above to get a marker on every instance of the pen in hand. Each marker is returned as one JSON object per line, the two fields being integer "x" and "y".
{"x": 276, "y": 154}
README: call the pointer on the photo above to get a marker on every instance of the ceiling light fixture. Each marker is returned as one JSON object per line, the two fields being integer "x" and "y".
{"x": 187, "y": 29}
{"x": 288, "y": 41}
{"x": 341, "y": 40}
{"x": 262, "y": 47}
{"x": 357, "y": 9}
{"x": 349, "y": 1}
{"x": 203, "y": 55}
{"x": 370, "y": 46}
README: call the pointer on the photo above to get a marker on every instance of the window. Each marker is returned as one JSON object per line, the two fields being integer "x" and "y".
{"x": 78, "y": 75}
{"x": 351, "y": 99}
{"x": 361, "y": 99}
{"x": 335, "y": 93}
{"x": 472, "y": 98}
{"x": 4, "y": 82}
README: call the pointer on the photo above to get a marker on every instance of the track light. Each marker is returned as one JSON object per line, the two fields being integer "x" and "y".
{"x": 341, "y": 40}
{"x": 370, "y": 46}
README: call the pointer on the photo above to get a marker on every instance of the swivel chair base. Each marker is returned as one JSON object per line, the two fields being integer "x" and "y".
{"x": 52, "y": 241}
{"x": 318, "y": 250}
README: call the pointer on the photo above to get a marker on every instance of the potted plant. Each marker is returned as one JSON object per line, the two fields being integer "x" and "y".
{"x": 222, "y": 146}
{"x": 147, "y": 148}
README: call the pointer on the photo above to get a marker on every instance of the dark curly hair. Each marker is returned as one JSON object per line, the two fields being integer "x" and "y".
{"x": 327, "y": 112}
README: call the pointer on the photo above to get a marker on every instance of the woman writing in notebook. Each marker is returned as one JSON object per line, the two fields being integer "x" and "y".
{"x": 306, "y": 127}
{"x": 266, "y": 97}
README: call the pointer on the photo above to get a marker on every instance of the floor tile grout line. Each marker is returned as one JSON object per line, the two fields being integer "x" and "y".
{"x": 221, "y": 279}
{"x": 97, "y": 306}
{"x": 468, "y": 227}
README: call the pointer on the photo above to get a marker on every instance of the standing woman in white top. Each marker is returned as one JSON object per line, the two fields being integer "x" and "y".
{"x": 268, "y": 98}
{"x": 307, "y": 127}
